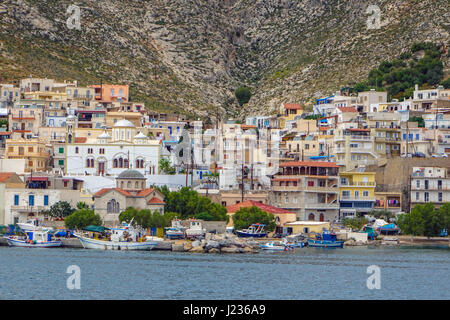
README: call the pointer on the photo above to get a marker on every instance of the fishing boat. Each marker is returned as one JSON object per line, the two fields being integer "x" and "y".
{"x": 174, "y": 233}
{"x": 256, "y": 230}
{"x": 325, "y": 240}
{"x": 114, "y": 239}
{"x": 275, "y": 246}
{"x": 195, "y": 230}
{"x": 34, "y": 239}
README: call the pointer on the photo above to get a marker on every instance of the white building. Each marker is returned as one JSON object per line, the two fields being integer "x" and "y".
{"x": 111, "y": 154}
{"x": 430, "y": 184}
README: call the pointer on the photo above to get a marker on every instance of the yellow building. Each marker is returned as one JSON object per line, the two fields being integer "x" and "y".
{"x": 134, "y": 117}
{"x": 297, "y": 227}
{"x": 357, "y": 192}
{"x": 34, "y": 151}
{"x": 47, "y": 95}
{"x": 289, "y": 113}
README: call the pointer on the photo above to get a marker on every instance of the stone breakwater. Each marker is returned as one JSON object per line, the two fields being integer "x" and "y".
{"x": 217, "y": 244}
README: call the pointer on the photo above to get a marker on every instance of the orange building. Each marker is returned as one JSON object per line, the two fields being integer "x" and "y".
{"x": 111, "y": 92}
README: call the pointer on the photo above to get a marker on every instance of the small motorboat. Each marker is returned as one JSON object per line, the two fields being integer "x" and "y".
{"x": 256, "y": 230}
{"x": 34, "y": 239}
{"x": 195, "y": 230}
{"x": 275, "y": 246}
{"x": 325, "y": 240}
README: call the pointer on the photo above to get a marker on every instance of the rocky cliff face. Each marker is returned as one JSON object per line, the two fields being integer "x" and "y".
{"x": 190, "y": 55}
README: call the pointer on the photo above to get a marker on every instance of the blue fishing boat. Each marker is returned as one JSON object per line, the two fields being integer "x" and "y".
{"x": 256, "y": 230}
{"x": 325, "y": 240}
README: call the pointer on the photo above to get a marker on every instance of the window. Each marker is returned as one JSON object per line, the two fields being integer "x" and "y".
{"x": 16, "y": 199}
{"x": 417, "y": 196}
{"x": 30, "y": 149}
{"x": 365, "y": 193}
{"x": 427, "y": 197}
{"x": 356, "y": 194}
{"x": 418, "y": 183}
{"x": 346, "y": 194}
{"x": 310, "y": 183}
{"x": 113, "y": 206}
{"x": 31, "y": 200}
{"x": 61, "y": 162}
{"x": 61, "y": 150}
{"x": 65, "y": 184}
{"x": 440, "y": 197}
{"x": 77, "y": 149}
{"x": 45, "y": 200}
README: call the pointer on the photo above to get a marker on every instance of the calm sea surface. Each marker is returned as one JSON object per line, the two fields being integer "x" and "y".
{"x": 308, "y": 273}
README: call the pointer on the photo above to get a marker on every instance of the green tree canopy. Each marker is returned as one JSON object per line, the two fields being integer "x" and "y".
{"x": 355, "y": 223}
{"x": 446, "y": 83}
{"x": 187, "y": 204}
{"x": 424, "y": 220}
{"x": 165, "y": 167}
{"x": 146, "y": 219}
{"x": 245, "y": 217}
{"x": 60, "y": 209}
{"x": 82, "y": 218}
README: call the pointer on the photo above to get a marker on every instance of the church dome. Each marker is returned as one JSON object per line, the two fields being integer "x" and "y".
{"x": 131, "y": 174}
{"x": 124, "y": 123}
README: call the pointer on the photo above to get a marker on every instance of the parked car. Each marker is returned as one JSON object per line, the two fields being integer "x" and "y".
{"x": 403, "y": 155}
{"x": 419, "y": 155}
{"x": 440, "y": 155}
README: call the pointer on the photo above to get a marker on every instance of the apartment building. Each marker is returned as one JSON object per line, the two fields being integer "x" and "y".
{"x": 41, "y": 191}
{"x": 35, "y": 152}
{"x": 8, "y": 95}
{"x": 289, "y": 112}
{"x": 308, "y": 188}
{"x": 353, "y": 147}
{"x": 26, "y": 120}
{"x": 430, "y": 184}
{"x": 111, "y": 92}
{"x": 357, "y": 192}
{"x": 366, "y": 98}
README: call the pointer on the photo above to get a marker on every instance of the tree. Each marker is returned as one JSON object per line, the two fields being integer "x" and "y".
{"x": 82, "y": 218}
{"x": 60, "y": 209}
{"x": 382, "y": 214}
{"x": 243, "y": 95}
{"x": 164, "y": 165}
{"x": 424, "y": 220}
{"x": 421, "y": 122}
{"x": 187, "y": 204}
{"x": 446, "y": 83}
{"x": 82, "y": 205}
{"x": 245, "y": 217}
{"x": 354, "y": 223}
{"x": 4, "y": 122}
{"x": 146, "y": 219}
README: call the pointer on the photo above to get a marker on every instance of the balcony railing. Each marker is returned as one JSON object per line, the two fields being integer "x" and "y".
{"x": 353, "y": 198}
{"x": 320, "y": 205}
{"x": 358, "y": 184}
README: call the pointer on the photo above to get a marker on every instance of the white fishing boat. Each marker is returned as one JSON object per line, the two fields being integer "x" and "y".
{"x": 124, "y": 238}
{"x": 34, "y": 239}
{"x": 195, "y": 229}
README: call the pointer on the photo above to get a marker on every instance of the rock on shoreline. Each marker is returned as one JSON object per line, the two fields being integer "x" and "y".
{"x": 215, "y": 244}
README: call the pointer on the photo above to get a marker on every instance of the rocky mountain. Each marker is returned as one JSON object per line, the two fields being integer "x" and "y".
{"x": 190, "y": 55}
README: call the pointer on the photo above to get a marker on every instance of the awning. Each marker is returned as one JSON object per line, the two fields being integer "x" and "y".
{"x": 92, "y": 228}
{"x": 37, "y": 178}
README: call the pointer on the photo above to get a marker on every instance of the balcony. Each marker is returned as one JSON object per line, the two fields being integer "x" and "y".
{"x": 358, "y": 184}
{"x": 388, "y": 140}
{"x": 352, "y": 198}
{"x": 322, "y": 189}
{"x": 319, "y": 205}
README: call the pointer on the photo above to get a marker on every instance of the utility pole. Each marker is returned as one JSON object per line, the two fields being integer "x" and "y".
{"x": 242, "y": 181}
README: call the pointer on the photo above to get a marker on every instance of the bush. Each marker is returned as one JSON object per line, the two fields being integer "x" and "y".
{"x": 243, "y": 95}
{"x": 424, "y": 220}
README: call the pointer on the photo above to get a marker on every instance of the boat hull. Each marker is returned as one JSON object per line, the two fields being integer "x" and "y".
{"x": 273, "y": 248}
{"x": 242, "y": 234}
{"x": 23, "y": 243}
{"x": 89, "y": 243}
{"x": 325, "y": 244}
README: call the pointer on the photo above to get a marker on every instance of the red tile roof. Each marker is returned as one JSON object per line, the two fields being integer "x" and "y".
{"x": 155, "y": 201}
{"x": 309, "y": 164}
{"x": 250, "y": 203}
{"x": 104, "y": 190}
{"x": 4, "y": 176}
{"x": 291, "y": 106}
{"x": 347, "y": 109}
{"x": 145, "y": 192}
{"x": 80, "y": 140}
